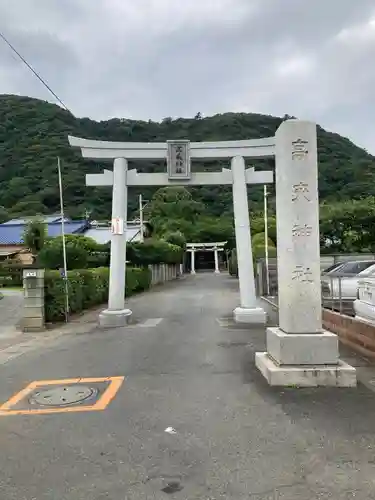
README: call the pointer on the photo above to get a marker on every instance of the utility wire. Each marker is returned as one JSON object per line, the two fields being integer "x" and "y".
{"x": 33, "y": 70}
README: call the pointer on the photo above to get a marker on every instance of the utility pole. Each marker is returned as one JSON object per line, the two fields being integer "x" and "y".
{"x": 266, "y": 238}
{"x": 141, "y": 217}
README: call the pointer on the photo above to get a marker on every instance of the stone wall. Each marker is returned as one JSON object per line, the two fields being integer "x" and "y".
{"x": 164, "y": 272}
{"x": 356, "y": 334}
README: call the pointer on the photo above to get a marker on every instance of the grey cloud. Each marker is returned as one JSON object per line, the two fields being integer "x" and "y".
{"x": 157, "y": 58}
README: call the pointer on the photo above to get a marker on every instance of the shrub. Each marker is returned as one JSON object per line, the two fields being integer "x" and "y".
{"x": 87, "y": 288}
{"x": 259, "y": 252}
{"x": 259, "y": 239}
{"x": 175, "y": 238}
{"x": 232, "y": 264}
{"x": 11, "y": 275}
{"x": 154, "y": 252}
{"x": 52, "y": 256}
{"x": 35, "y": 235}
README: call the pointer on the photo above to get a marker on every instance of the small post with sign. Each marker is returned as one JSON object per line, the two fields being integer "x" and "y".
{"x": 33, "y": 288}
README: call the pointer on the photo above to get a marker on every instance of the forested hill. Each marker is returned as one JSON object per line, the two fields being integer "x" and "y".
{"x": 33, "y": 133}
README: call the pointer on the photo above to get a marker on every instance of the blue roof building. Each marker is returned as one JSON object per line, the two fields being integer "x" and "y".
{"x": 11, "y": 232}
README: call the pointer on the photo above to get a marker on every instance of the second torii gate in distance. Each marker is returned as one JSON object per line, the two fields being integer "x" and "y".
{"x": 178, "y": 154}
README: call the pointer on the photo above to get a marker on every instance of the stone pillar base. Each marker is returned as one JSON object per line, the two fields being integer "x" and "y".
{"x": 253, "y": 315}
{"x": 302, "y": 349}
{"x": 114, "y": 318}
{"x": 340, "y": 375}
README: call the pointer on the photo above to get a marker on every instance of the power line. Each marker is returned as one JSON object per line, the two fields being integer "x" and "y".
{"x": 33, "y": 70}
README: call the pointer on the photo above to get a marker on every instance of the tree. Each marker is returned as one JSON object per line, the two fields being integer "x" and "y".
{"x": 34, "y": 132}
{"x": 173, "y": 204}
{"x": 4, "y": 215}
{"x": 34, "y": 236}
{"x": 175, "y": 238}
{"x": 211, "y": 230}
{"x": 52, "y": 256}
{"x": 348, "y": 226}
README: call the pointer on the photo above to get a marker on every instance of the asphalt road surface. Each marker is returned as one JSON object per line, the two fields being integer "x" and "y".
{"x": 193, "y": 418}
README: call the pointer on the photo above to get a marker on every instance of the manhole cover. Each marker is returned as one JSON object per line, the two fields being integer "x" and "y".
{"x": 62, "y": 396}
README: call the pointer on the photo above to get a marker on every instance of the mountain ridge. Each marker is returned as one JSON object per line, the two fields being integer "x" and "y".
{"x": 34, "y": 132}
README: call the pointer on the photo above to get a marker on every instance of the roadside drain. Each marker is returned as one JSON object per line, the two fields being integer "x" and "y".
{"x": 63, "y": 396}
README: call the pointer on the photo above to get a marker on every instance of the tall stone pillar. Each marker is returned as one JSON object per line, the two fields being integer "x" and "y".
{"x": 248, "y": 312}
{"x": 299, "y": 351}
{"x": 117, "y": 315}
{"x": 192, "y": 261}
{"x": 216, "y": 255}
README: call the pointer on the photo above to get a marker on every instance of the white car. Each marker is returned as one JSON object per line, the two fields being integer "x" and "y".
{"x": 342, "y": 282}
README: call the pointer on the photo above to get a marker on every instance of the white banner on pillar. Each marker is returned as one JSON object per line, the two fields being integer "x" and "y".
{"x": 117, "y": 226}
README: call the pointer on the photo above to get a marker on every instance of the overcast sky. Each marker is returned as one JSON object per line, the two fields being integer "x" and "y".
{"x": 142, "y": 59}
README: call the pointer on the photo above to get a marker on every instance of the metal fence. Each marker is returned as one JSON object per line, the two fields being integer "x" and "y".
{"x": 338, "y": 292}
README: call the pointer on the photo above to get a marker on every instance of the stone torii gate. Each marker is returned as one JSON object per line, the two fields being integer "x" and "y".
{"x": 299, "y": 352}
{"x": 178, "y": 154}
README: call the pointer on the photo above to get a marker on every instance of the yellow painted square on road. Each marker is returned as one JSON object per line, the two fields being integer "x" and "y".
{"x": 114, "y": 384}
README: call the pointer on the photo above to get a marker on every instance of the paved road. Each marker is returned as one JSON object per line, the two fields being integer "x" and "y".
{"x": 186, "y": 367}
{"x": 10, "y": 311}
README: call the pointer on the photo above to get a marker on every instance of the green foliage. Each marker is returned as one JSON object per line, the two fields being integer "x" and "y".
{"x": 35, "y": 235}
{"x": 209, "y": 230}
{"x": 86, "y": 288}
{"x": 81, "y": 252}
{"x": 259, "y": 252}
{"x": 257, "y": 225}
{"x": 52, "y": 256}
{"x": 4, "y": 215}
{"x": 348, "y": 226}
{"x": 33, "y": 133}
{"x": 175, "y": 238}
{"x": 172, "y": 204}
{"x": 154, "y": 252}
{"x": 259, "y": 240}
{"x": 232, "y": 263}
{"x": 11, "y": 275}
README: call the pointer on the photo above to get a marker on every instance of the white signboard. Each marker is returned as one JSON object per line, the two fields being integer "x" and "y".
{"x": 117, "y": 226}
{"x": 178, "y": 160}
{"x": 30, "y": 274}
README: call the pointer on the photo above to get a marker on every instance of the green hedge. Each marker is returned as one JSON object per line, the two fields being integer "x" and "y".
{"x": 153, "y": 252}
{"x": 87, "y": 288}
{"x": 258, "y": 253}
{"x": 11, "y": 275}
{"x": 232, "y": 264}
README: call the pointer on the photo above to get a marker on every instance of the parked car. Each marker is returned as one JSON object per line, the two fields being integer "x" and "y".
{"x": 350, "y": 268}
{"x": 341, "y": 283}
{"x": 332, "y": 267}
